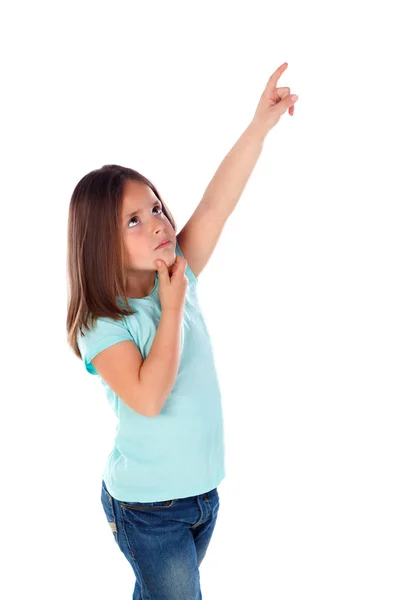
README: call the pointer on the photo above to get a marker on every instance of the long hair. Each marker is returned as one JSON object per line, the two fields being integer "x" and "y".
{"x": 96, "y": 270}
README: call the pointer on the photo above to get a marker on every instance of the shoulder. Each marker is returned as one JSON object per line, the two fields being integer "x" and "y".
{"x": 101, "y": 334}
{"x": 189, "y": 273}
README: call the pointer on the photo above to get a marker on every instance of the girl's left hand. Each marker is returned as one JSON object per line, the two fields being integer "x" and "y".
{"x": 274, "y": 102}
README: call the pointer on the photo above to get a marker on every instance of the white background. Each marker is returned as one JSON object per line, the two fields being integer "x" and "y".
{"x": 299, "y": 296}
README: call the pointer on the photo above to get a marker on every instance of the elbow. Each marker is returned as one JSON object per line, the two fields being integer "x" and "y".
{"x": 146, "y": 409}
{"x": 152, "y": 414}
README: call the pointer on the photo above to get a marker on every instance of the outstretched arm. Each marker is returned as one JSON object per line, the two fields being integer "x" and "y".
{"x": 201, "y": 233}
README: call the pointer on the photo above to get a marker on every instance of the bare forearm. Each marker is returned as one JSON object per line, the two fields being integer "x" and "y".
{"x": 229, "y": 181}
{"x": 160, "y": 368}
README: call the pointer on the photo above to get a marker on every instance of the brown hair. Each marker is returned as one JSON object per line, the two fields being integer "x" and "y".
{"x": 95, "y": 253}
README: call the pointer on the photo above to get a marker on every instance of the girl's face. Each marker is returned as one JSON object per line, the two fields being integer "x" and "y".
{"x": 142, "y": 232}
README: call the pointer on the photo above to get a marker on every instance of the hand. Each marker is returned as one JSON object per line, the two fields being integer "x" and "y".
{"x": 173, "y": 284}
{"x": 273, "y": 103}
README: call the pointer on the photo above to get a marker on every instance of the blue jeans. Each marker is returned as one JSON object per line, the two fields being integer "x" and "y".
{"x": 164, "y": 542}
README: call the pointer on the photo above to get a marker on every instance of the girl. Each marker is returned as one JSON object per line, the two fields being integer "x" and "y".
{"x": 135, "y": 321}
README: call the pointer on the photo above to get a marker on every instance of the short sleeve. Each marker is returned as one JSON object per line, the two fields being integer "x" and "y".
{"x": 104, "y": 333}
{"x": 189, "y": 273}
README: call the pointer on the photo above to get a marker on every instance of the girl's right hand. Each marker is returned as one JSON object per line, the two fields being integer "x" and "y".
{"x": 172, "y": 288}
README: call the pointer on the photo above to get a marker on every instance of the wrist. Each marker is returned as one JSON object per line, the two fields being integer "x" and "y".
{"x": 258, "y": 130}
{"x": 175, "y": 312}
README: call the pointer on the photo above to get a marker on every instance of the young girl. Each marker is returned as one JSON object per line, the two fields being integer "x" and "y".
{"x": 135, "y": 321}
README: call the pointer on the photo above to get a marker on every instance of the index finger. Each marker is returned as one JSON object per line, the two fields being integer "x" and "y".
{"x": 273, "y": 79}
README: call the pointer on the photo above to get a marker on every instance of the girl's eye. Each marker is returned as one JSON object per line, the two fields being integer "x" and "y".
{"x": 135, "y": 217}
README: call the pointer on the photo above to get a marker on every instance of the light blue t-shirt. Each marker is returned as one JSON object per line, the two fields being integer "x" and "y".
{"x": 180, "y": 452}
